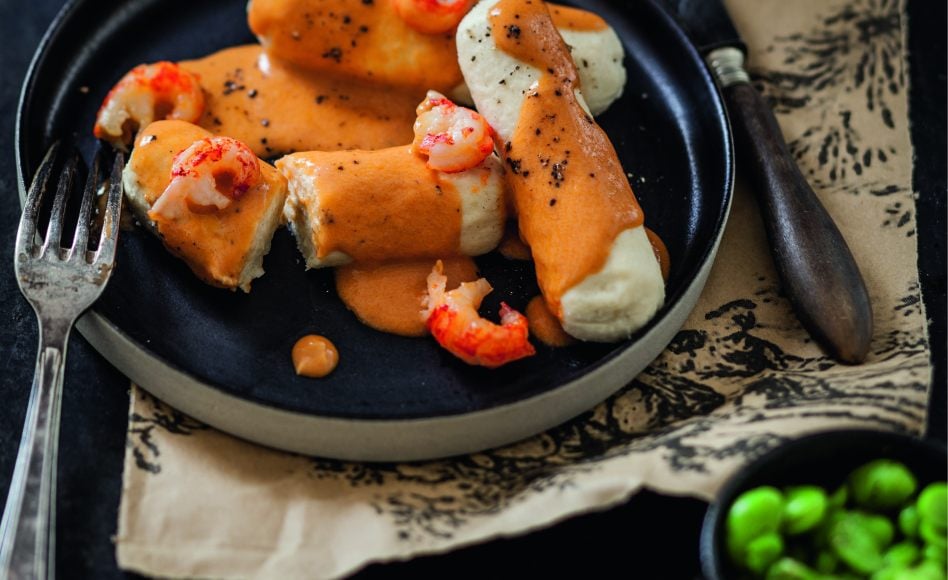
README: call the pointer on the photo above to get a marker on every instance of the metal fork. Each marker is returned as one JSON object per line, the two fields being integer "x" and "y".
{"x": 59, "y": 284}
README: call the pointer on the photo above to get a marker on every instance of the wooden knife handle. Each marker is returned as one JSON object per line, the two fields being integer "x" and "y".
{"x": 817, "y": 269}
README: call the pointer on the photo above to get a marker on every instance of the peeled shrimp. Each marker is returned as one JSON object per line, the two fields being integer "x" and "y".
{"x": 207, "y": 177}
{"x": 148, "y": 92}
{"x": 452, "y": 319}
{"x": 432, "y": 16}
{"x": 452, "y": 138}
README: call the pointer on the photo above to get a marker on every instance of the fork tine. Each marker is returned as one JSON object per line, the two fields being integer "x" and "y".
{"x": 81, "y": 239}
{"x": 34, "y": 199}
{"x": 55, "y": 230}
{"x": 113, "y": 212}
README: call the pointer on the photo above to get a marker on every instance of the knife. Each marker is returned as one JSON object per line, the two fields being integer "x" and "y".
{"x": 816, "y": 267}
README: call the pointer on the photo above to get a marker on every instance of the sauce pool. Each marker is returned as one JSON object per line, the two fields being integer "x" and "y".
{"x": 512, "y": 247}
{"x": 661, "y": 253}
{"x": 544, "y": 326}
{"x": 314, "y": 356}
{"x": 388, "y": 297}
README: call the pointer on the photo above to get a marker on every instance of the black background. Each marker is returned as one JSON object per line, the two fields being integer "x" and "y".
{"x": 650, "y": 536}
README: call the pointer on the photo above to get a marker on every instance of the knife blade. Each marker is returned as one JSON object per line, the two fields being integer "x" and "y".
{"x": 816, "y": 267}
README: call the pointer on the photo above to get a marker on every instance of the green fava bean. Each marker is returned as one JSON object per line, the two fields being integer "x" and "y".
{"x": 763, "y": 551}
{"x": 920, "y": 572}
{"x": 855, "y": 544}
{"x": 754, "y": 513}
{"x": 903, "y": 554}
{"x": 882, "y": 484}
{"x": 821, "y": 534}
{"x": 804, "y": 509}
{"x": 790, "y": 569}
{"x": 908, "y": 521}
{"x": 932, "y": 536}
{"x": 932, "y": 505}
{"x": 880, "y": 527}
{"x": 928, "y": 570}
{"x": 839, "y": 498}
{"x": 888, "y": 573}
{"x": 935, "y": 554}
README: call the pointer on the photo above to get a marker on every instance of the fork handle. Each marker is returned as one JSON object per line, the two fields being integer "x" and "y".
{"x": 28, "y": 530}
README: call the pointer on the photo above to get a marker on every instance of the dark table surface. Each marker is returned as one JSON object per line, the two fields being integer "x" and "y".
{"x": 648, "y": 533}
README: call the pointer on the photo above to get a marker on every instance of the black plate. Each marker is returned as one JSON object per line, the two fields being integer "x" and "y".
{"x": 669, "y": 128}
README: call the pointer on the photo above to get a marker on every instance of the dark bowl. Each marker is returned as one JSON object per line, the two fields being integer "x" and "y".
{"x": 823, "y": 459}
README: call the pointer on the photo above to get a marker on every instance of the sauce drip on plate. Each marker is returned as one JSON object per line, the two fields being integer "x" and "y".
{"x": 661, "y": 253}
{"x": 512, "y": 247}
{"x": 314, "y": 356}
{"x": 388, "y": 297}
{"x": 544, "y": 326}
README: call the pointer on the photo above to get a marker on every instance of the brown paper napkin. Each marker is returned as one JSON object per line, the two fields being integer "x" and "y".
{"x": 740, "y": 377}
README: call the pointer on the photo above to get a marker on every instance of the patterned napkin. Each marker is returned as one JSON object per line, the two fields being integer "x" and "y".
{"x": 741, "y": 377}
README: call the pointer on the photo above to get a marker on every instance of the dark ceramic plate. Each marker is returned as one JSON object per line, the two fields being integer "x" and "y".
{"x": 825, "y": 459}
{"x": 224, "y": 357}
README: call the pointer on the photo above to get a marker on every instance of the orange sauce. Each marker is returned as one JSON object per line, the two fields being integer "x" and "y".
{"x": 277, "y": 108}
{"x": 570, "y": 191}
{"x": 568, "y": 18}
{"x": 388, "y": 297}
{"x": 314, "y": 356}
{"x": 373, "y": 201}
{"x": 512, "y": 247}
{"x": 661, "y": 252}
{"x": 432, "y": 17}
{"x": 215, "y": 245}
{"x": 544, "y": 326}
{"x": 369, "y": 41}
{"x": 363, "y": 39}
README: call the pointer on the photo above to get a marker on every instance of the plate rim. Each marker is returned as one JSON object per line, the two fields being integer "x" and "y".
{"x": 396, "y": 439}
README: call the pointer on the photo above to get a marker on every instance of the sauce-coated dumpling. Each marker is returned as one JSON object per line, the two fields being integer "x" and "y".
{"x": 222, "y": 234}
{"x": 441, "y": 196}
{"x": 363, "y": 39}
{"x": 575, "y": 207}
